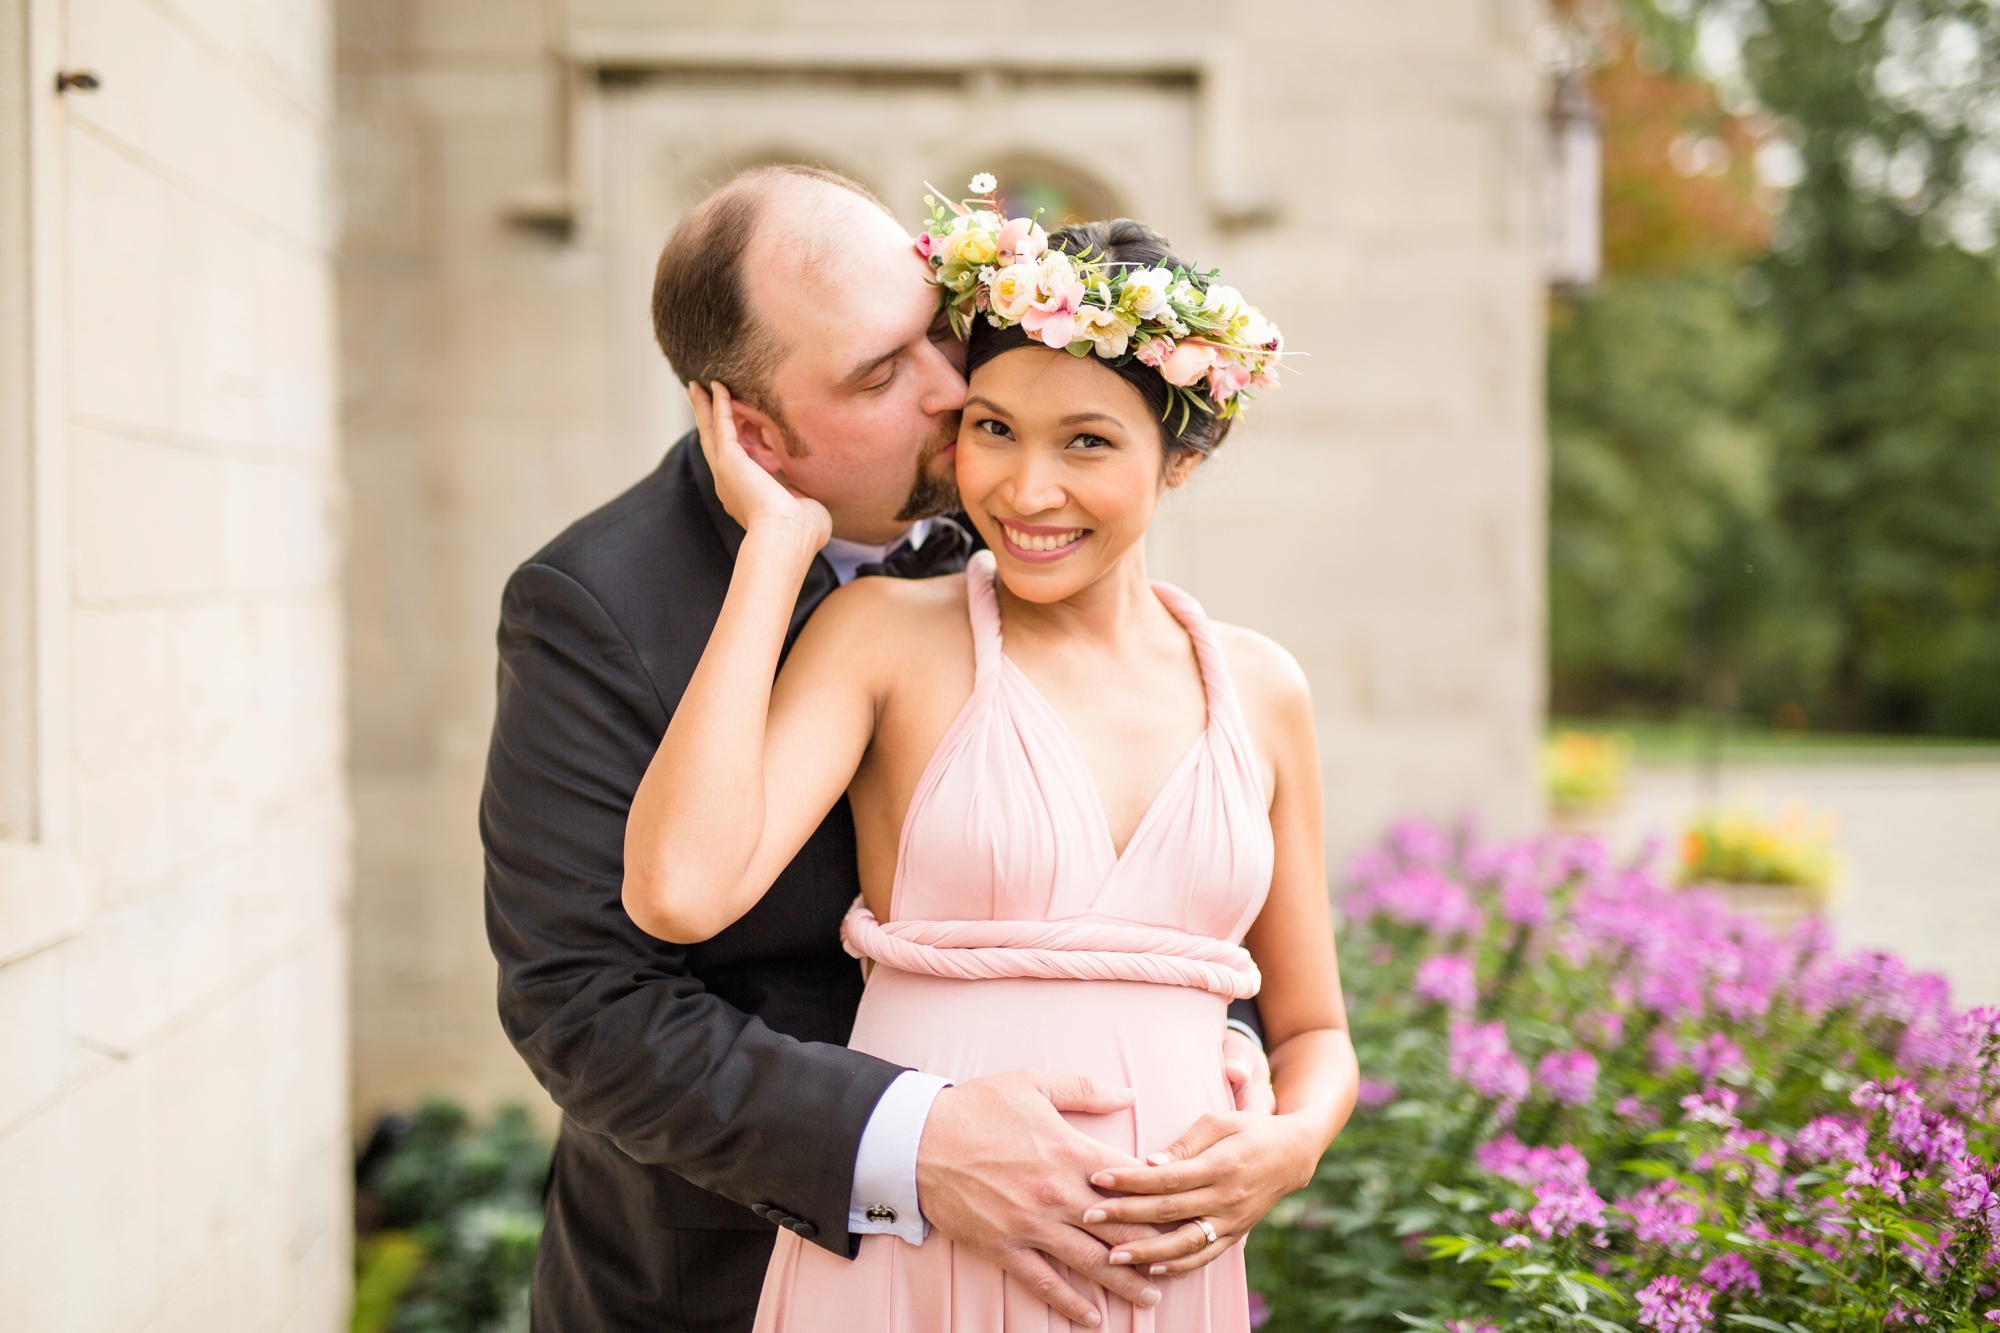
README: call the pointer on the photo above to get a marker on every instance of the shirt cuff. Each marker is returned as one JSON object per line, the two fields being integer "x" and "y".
{"x": 1238, "y": 1025}
{"x": 885, "y": 1166}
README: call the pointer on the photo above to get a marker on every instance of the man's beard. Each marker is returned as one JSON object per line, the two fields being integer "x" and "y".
{"x": 934, "y": 492}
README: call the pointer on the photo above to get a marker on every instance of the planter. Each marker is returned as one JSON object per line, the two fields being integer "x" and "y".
{"x": 1778, "y": 906}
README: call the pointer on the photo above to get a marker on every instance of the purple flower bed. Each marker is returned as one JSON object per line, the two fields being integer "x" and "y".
{"x": 1593, "y": 1101}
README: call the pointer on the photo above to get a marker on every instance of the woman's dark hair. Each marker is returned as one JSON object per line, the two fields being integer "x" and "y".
{"x": 1125, "y": 242}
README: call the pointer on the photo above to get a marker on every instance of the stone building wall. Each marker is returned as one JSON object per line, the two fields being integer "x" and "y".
{"x": 1369, "y": 174}
{"x": 174, "y": 1146}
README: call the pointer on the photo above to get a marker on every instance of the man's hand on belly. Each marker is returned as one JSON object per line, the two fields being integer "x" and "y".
{"x": 1001, "y": 1172}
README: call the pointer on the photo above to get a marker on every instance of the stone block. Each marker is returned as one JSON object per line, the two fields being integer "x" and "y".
{"x": 180, "y": 104}
{"x": 34, "y": 1040}
{"x": 187, "y": 319}
{"x": 147, "y": 518}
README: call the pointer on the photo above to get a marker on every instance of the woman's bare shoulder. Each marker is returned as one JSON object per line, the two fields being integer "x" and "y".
{"x": 892, "y": 613}
{"x": 1267, "y": 677}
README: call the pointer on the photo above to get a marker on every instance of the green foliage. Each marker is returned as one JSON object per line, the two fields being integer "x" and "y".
{"x": 1796, "y": 497}
{"x": 461, "y": 1212}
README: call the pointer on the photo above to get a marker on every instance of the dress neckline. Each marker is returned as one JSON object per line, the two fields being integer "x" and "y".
{"x": 1188, "y": 617}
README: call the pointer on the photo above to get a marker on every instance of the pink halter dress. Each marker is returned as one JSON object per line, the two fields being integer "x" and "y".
{"x": 1019, "y": 939}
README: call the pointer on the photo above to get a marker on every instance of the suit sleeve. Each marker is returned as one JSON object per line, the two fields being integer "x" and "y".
{"x": 626, "y": 1040}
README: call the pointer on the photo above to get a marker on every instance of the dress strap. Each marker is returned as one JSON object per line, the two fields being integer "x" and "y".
{"x": 1216, "y": 685}
{"x": 983, "y": 603}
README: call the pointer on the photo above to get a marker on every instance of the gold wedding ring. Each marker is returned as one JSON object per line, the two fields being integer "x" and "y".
{"x": 1206, "y": 1229}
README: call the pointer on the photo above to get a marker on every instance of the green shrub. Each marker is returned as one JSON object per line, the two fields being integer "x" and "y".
{"x": 457, "y": 1212}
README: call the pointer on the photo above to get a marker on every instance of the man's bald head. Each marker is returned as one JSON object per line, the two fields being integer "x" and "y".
{"x": 704, "y": 311}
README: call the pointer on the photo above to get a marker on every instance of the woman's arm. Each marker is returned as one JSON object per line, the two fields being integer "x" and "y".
{"x": 1229, "y": 1169}
{"x": 740, "y": 780}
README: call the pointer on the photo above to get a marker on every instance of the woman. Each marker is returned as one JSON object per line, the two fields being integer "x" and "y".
{"x": 1073, "y": 795}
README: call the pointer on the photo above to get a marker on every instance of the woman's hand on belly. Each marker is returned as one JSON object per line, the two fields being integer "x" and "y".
{"x": 1228, "y": 1170}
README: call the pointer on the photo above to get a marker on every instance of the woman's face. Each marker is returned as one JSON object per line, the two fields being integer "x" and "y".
{"x": 1059, "y": 468}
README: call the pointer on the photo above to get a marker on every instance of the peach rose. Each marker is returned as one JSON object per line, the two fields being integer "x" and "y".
{"x": 1021, "y": 240}
{"x": 1013, "y": 290}
{"x": 1187, "y": 363}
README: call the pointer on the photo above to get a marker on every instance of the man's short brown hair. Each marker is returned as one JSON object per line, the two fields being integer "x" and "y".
{"x": 701, "y": 302}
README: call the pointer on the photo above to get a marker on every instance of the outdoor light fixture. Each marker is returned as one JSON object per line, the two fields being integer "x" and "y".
{"x": 1574, "y": 219}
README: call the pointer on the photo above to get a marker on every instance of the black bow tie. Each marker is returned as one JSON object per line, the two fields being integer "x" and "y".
{"x": 945, "y": 549}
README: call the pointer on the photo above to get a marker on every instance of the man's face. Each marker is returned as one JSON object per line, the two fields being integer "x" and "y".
{"x": 872, "y": 380}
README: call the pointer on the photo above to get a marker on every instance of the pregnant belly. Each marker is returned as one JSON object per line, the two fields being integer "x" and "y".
{"x": 1164, "y": 1041}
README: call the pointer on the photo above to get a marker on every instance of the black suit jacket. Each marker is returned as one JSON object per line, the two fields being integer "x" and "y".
{"x": 705, "y": 1087}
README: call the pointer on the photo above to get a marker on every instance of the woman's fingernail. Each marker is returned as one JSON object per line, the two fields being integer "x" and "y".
{"x": 1093, "y": 1215}
{"x": 1104, "y": 1180}
{"x": 1121, "y": 1256}
{"x": 1092, "y": 1319}
{"x": 1157, "y": 1269}
{"x": 1149, "y": 1297}
{"x": 1159, "y": 1159}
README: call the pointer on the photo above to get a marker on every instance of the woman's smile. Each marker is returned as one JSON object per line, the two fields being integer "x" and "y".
{"x": 1039, "y": 543}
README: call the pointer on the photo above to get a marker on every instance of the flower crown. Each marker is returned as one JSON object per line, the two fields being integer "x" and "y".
{"x": 1199, "y": 334}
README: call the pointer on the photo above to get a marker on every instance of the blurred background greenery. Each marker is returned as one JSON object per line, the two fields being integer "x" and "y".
{"x": 1775, "y": 422}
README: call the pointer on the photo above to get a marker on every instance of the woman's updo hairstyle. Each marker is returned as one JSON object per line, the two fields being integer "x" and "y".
{"x": 1121, "y": 241}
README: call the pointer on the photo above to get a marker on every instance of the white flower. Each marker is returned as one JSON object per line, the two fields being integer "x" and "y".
{"x": 1224, "y": 304}
{"x": 1146, "y": 292}
{"x": 1057, "y": 275}
{"x": 1109, "y": 331}
{"x": 1186, "y": 297}
{"x": 984, "y": 183}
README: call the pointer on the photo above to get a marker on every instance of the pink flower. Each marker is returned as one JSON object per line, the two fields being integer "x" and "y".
{"x": 1511, "y": 1160}
{"x": 1187, "y": 363}
{"x": 1467, "y": 1326}
{"x": 1661, "y": 1215}
{"x": 1373, "y": 1093}
{"x": 926, "y": 244}
{"x": 1053, "y": 318}
{"x": 1713, "y": 1055}
{"x": 1569, "y": 1076}
{"x": 1447, "y": 979}
{"x": 1732, "y": 1273}
{"x": 1831, "y": 1139}
{"x": 1260, "y": 1310}
{"x": 1481, "y": 1056}
{"x": 1669, "y": 1305}
{"x": 1020, "y": 240}
{"x": 1712, "y": 1106}
{"x": 1562, "y": 1207}
{"x": 1155, "y": 351}
{"x": 1226, "y": 380}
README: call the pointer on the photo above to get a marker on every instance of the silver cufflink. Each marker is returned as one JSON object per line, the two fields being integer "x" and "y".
{"x": 881, "y": 1212}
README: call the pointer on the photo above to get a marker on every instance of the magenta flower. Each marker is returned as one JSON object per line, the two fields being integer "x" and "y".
{"x": 1712, "y": 1106}
{"x": 1568, "y": 1076}
{"x": 1374, "y": 1093}
{"x": 1731, "y": 1274}
{"x": 1831, "y": 1139}
{"x": 1562, "y": 1208}
{"x": 1661, "y": 1215}
{"x": 1447, "y": 978}
{"x": 1713, "y": 1055}
{"x": 1260, "y": 1310}
{"x": 1511, "y": 1160}
{"x": 1468, "y": 1326}
{"x": 1481, "y": 1056}
{"x": 1668, "y": 1305}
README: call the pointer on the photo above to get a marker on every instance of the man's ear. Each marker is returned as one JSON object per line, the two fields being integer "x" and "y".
{"x": 760, "y": 437}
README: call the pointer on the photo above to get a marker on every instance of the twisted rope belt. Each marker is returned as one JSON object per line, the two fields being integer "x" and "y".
{"x": 1054, "y": 950}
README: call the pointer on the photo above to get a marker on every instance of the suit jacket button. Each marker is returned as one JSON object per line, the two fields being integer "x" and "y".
{"x": 805, "y": 1230}
{"x": 761, "y": 1209}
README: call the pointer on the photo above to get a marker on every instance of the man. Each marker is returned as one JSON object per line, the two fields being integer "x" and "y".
{"x": 707, "y": 1091}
